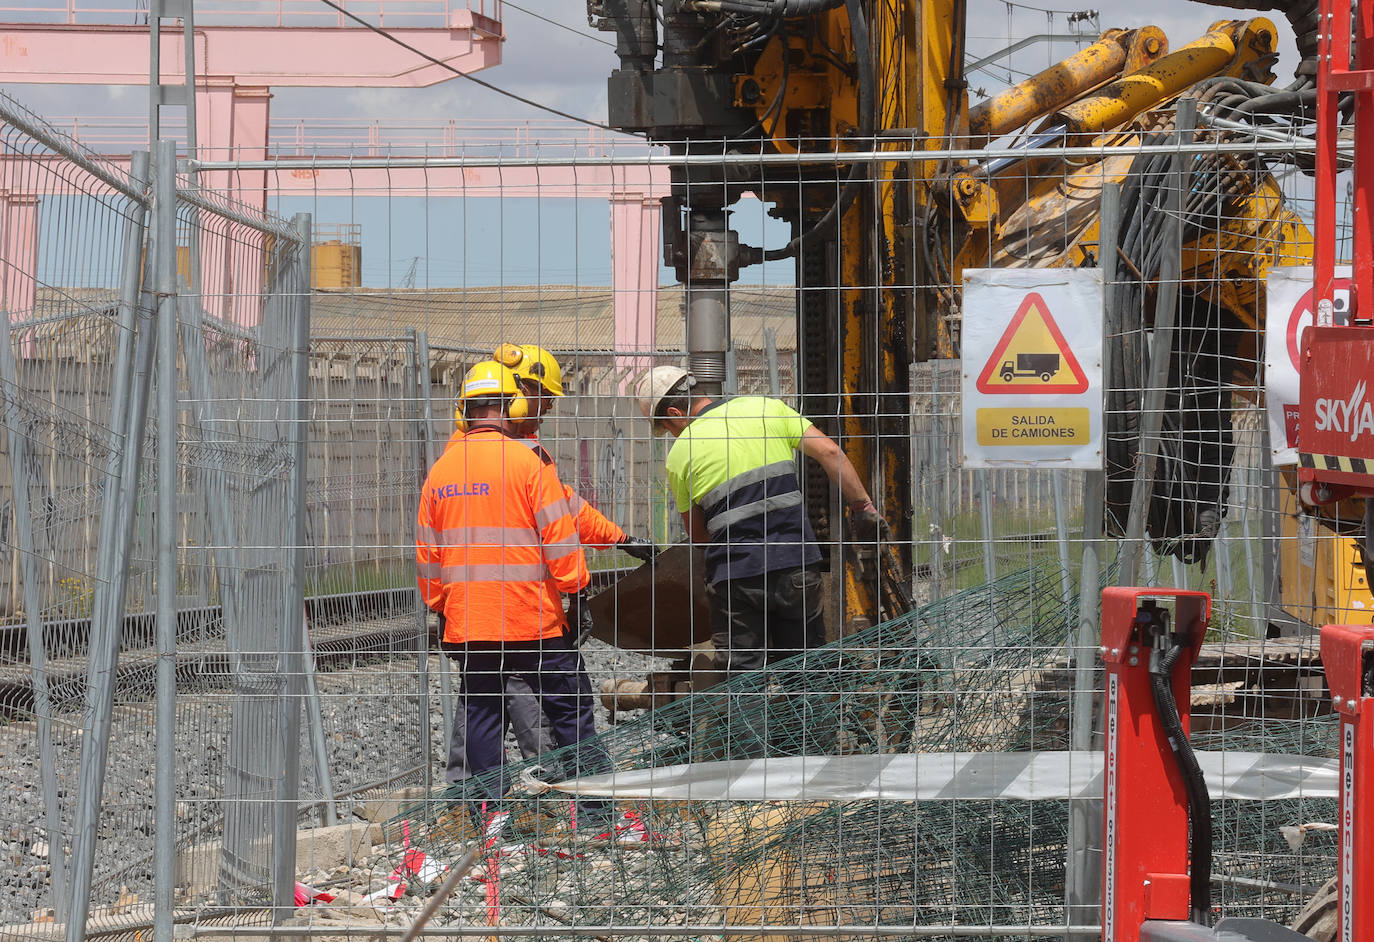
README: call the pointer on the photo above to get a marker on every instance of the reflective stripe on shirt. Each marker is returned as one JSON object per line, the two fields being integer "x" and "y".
{"x": 551, "y": 513}
{"x": 478, "y": 536}
{"x": 495, "y": 572}
{"x": 720, "y": 492}
{"x": 758, "y": 508}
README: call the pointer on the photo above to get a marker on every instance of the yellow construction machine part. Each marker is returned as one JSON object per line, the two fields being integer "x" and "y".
{"x": 798, "y": 92}
{"x": 1323, "y": 579}
{"x": 1239, "y": 48}
{"x": 1116, "y": 51}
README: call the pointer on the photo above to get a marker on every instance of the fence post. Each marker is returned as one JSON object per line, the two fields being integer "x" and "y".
{"x": 296, "y": 284}
{"x": 323, "y": 777}
{"x": 1061, "y": 535}
{"x": 1083, "y": 883}
{"x": 1270, "y": 533}
{"x": 164, "y": 799}
{"x": 770, "y": 350}
{"x": 1161, "y": 349}
{"x": 118, "y": 509}
{"x": 985, "y": 504}
{"x": 421, "y": 610}
{"x": 427, "y": 438}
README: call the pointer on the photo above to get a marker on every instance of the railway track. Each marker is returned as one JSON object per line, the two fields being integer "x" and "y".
{"x": 343, "y": 627}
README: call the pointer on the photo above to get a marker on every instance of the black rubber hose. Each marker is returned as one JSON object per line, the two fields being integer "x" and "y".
{"x": 783, "y": 8}
{"x": 1199, "y": 801}
{"x": 769, "y": 9}
{"x": 863, "y": 54}
{"x": 1279, "y": 103}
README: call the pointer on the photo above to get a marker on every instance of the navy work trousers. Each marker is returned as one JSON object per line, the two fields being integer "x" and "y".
{"x": 556, "y": 675}
{"x": 533, "y": 734}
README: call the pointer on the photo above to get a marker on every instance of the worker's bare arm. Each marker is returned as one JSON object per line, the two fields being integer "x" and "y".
{"x": 836, "y": 464}
{"x": 695, "y": 522}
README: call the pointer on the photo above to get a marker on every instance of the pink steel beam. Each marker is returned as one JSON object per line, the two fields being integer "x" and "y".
{"x": 386, "y": 13}
{"x": 315, "y": 57}
{"x": 634, "y": 276}
{"x": 237, "y": 66}
{"x": 19, "y": 251}
{"x": 633, "y": 191}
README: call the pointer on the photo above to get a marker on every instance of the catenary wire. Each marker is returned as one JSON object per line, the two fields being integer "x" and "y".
{"x": 471, "y": 78}
{"x": 540, "y": 16}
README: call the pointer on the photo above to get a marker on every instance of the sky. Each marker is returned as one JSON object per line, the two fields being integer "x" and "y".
{"x": 552, "y": 56}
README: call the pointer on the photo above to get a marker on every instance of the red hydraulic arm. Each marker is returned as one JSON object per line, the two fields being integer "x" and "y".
{"x": 1145, "y": 830}
{"x": 1348, "y": 656}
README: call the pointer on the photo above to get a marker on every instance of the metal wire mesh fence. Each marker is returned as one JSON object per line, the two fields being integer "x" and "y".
{"x": 304, "y": 611}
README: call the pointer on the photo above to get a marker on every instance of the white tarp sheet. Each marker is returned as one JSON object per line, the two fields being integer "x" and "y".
{"x": 934, "y": 776}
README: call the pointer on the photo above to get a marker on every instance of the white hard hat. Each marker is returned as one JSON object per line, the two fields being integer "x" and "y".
{"x": 656, "y": 383}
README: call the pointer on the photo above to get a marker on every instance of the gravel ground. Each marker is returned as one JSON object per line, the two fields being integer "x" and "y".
{"x": 369, "y": 714}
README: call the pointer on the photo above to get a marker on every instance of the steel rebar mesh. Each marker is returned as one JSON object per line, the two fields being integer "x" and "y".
{"x": 978, "y": 671}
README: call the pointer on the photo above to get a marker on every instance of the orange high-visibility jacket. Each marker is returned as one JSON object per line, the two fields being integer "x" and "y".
{"x": 594, "y": 528}
{"x": 495, "y": 541}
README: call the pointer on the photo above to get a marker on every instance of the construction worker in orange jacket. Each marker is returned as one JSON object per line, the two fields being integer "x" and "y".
{"x": 496, "y": 546}
{"x": 541, "y": 380}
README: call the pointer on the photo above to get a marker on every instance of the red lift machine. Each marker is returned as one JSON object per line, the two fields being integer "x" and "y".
{"x": 1157, "y": 817}
{"x": 1336, "y": 410}
{"x": 1348, "y": 657}
{"x": 1336, "y": 422}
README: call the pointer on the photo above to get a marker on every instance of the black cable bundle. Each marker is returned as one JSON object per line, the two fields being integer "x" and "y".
{"x": 1192, "y": 471}
{"x": 1199, "y": 801}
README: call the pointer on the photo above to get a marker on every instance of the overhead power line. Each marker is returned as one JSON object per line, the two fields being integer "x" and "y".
{"x": 539, "y": 16}
{"x": 471, "y": 78}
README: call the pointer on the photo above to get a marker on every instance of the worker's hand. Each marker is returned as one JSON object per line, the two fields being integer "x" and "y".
{"x": 579, "y": 616}
{"x": 866, "y": 525}
{"x": 640, "y": 549}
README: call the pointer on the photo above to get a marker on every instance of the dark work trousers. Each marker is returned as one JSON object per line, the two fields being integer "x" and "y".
{"x": 554, "y": 671}
{"x": 757, "y": 621}
{"x": 533, "y": 734}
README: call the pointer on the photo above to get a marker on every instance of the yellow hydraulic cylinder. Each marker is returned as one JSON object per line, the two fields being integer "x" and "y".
{"x": 1051, "y": 89}
{"x": 1127, "y": 97}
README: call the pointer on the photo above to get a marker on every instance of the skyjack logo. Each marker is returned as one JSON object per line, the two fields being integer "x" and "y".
{"x": 1354, "y": 415}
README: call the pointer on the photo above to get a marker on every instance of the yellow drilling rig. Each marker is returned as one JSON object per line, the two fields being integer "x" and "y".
{"x": 880, "y": 243}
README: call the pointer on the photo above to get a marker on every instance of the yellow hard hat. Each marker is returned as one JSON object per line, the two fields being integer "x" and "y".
{"x": 531, "y": 362}
{"x": 489, "y": 378}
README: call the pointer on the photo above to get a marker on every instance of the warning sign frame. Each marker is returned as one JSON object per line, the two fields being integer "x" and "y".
{"x": 1014, "y": 321}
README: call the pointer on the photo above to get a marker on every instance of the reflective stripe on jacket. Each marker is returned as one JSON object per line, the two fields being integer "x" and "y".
{"x": 495, "y": 541}
{"x": 736, "y": 461}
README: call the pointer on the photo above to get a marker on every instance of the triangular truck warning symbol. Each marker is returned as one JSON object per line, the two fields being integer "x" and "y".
{"x": 1032, "y": 356}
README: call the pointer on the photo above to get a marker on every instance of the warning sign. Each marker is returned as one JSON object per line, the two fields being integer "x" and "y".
{"x": 1290, "y": 310}
{"x": 1032, "y": 354}
{"x": 1032, "y": 377}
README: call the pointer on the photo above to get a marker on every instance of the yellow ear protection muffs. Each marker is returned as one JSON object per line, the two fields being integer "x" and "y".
{"x": 490, "y": 378}
{"x": 533, "y": 364}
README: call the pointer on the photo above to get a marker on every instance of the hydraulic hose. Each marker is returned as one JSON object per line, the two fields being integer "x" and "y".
{"x": 1199, "y": 801}
{"x": 863, "y": 54}
{"x": 789, "y": 9}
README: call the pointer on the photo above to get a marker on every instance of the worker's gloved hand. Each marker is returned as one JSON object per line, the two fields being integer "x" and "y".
{"x": 866, "y": 525}
{"x": 640, "y": 549}
{"x": 579, "y": 616}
